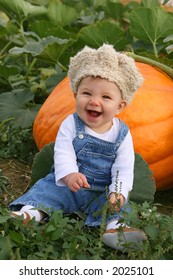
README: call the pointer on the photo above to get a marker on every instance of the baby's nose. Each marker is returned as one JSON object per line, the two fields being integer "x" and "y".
{"x": 94, "y": 101}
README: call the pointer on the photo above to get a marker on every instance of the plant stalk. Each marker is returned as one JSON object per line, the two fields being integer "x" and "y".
{"x": 166, "y": 69}
{"x": 30, "y": 67}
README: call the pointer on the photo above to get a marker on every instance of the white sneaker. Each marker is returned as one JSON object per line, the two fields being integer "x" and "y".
{"x": 116, "y": 238}
{"x": 25, "y": 215}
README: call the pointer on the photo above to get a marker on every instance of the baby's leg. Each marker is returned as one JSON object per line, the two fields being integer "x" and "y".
{"x": 42, "y": 199}
{"x": 113, "y": 224}
{"x": 28, "y": 212}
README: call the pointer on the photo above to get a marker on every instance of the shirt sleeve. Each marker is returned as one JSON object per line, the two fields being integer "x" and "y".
{"x": 64, "y": 154}
{"x": 123, "y": 168}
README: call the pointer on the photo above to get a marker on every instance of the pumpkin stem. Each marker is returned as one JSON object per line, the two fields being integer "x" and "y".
{"x": 166, "y": 69}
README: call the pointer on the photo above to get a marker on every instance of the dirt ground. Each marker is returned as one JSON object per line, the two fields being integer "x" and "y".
{"x": 19, "y": 173}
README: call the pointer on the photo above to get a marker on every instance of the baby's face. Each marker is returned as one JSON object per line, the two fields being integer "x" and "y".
{"x": 97, "y": 102}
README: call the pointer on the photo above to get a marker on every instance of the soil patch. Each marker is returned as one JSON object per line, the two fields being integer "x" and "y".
{"x": 18, "y": 174}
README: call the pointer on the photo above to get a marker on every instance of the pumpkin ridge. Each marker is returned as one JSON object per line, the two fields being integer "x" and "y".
{"x": 140, "y": 124}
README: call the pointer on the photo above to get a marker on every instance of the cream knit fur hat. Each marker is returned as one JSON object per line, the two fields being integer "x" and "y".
{"x": 106, "y": 63}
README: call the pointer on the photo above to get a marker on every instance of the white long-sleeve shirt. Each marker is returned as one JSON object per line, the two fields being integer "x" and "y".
{"x": 65, "y": 161}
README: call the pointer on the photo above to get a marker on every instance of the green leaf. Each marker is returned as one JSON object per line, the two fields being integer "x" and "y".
{"x": 152, "y": 231}
{"x": 50, "y": 228}
{"x": 61, "y": 14}
{"x": 4, "y": 219}
{"x": 17, "y": 104}
{"x": 48, "y": 49}
{"x": 42, "y": 163}
{"x": 114, "y": 10}
{"x": 103, "y": 32}
{"x": 19, "y": 10}
{"x": 144, "y": 185}
{"x": 45, "y": 28}
{"x": 150, "y": 25}
{"x": 5, "y": 247}
{"x": 6, "y": 71}
{"x": 16, "y": 236}
{"x": 150, "y": 4}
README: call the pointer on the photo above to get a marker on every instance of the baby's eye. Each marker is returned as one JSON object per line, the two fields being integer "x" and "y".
{"x": 86, "y": 93}
{"x": 106, "y": 97}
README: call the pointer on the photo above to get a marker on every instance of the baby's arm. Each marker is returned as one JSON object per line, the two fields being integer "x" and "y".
{"x": 65, "y": 162}
{"x": 75, "y": 181}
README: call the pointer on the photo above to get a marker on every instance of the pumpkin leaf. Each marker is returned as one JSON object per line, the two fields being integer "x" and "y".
{"x": 48, "y": 49}
{"x": 17, "y": 104}
{"x": 144, "y": 185}
{"x": 6, "y": 71}
{"x": 150, "y": 25}
{"x": 114, "y": 10}
{"x": 60, "y": 14}
{"x": 19, "y": 10}
{"x": 143, "y": 189}
{"x": 42, "y": 163}
{"x": 103, "y": 32}
{"x": 44, "y": 28}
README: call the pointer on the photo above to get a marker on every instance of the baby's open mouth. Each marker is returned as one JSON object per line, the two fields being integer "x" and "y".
{"x": 93, "y": 113}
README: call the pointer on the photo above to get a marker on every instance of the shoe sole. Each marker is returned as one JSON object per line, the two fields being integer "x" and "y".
{"x": 118, "y": 239}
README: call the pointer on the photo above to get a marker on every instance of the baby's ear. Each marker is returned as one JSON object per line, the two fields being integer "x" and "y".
{"x": 122, "y": 106}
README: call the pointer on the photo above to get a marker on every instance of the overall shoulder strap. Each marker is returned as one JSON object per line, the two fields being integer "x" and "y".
{"x": 123, "y": 130}
{"x": 79, "y": 124}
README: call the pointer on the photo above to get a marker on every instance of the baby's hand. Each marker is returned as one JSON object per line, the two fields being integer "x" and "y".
{"x": 75, "y": 181}
{"x": 116, "y": 201}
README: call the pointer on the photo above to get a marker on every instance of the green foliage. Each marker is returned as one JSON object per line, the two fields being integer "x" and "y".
{"x": 60, "y": 14}
{"x": 18, "y": 104}
{"x": 42, "y": 163}
{"x": 144, "y": 185}
{"x": 96, "y": 34}
{"x": 16, "y": 142}
{"x": 66, "y": 237}
{"x": 4, "y": 182}
{"x": 160, "y": 27}
{"x": 21, "y": 10}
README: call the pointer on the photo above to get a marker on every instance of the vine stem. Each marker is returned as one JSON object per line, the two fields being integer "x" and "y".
{"x": 166, "y": 69}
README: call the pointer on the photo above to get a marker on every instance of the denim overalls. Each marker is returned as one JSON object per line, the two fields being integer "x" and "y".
{"x": 94, "y": 158}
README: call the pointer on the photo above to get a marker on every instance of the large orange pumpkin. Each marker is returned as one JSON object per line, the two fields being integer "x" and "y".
{"x": 149, "y": 116}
